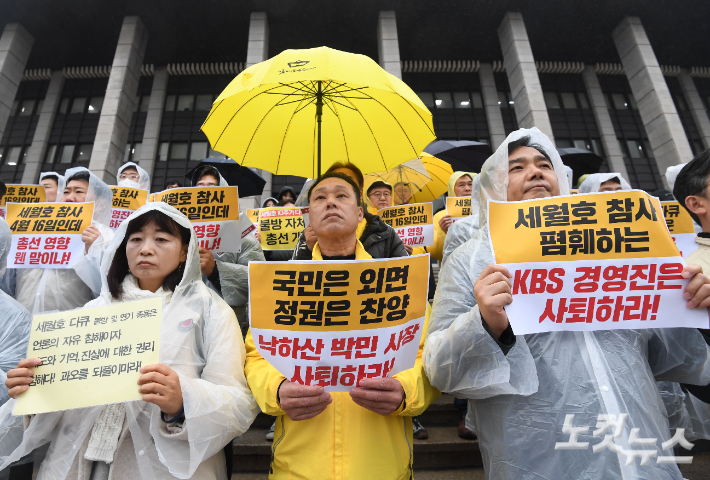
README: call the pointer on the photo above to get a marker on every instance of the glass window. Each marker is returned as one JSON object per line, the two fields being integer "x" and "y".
{"x": 502, "y": 100}
{"x": 198, "y": 151}
{"x": 476, "y": 100}
{"x": 462, "y": 100}
{"x": 647, "y": 149}
{"x": 215, "y": 154}
{"x": 145, "y": 102}
{"x": 95, "y": 104}
{"x": 635, "y": 149}
{"x": 136, "y": 152}
{"x": 203, "y": 103}
{"x": 84, "y": 152}
{"x": 622, "y": 147}
{"x": 597, "y": 147}
{"x": 679, "y": 101}
{"x": 619, "y": 101}
{"x": 697, "y": 147}
{"x": 66, "y": 154}
{"x": 163, "y": 152}
{"x": 50, "y": 154}
{"x": 40, "y": 104}
{"x": 607, "y": 101}
{"x": 632, "y": 102}
{"x": 568, "y": 100}
{"x": 426, "y": 98}
{"x": 13, "y": 109}
{"x": 26, "y": 108}
{"x": 13, "y": 155}
{"x": 443, "y": 100}
{"x": 563, "y": 143}
{"x": 78, "y": 105}
{"x": 127, "y": 153}
{"x": 178, "y": 151}
{"x": 170, "y": 103}
{"x": 583, "y": 103}
{"x": 64, "y": 105}
{"x": 185, "y": 103}
{"x": 551, "y": 100}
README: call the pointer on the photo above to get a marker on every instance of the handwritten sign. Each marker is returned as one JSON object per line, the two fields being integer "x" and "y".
{"x": 126, "y": 201}
{"x": 413, "y": 223}
{"x": 280, "y": 227}
{"x": 458, "y": 207}
{"x": 214, "y": 213}
{"x": 597, "y": 261}
{"x": 17, "y": 193}
{"x": 47, "y": 235}
{"x": 91, "y": 356}
{"x": 681, "y": 227}
{"x": 334, "y": 323}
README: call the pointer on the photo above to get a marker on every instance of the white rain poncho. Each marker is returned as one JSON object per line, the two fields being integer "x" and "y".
{"x": 672, "y": 173}
{"x": 208, "y": 357}
{"x": 518, "y": 402}
{"x": 594, "y": 181}
{"x": 46, "y": 290}
{"x": 15, "y": 321}
{"x": 143, "y": 182}
{"x": 570, "y": 174}
{"x": 465, "y": 229}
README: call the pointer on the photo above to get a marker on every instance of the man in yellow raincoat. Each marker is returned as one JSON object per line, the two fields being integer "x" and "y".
{"x": 460, "y": 185}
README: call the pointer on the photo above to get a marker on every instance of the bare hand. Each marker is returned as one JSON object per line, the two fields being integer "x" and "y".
{"x": 207, "y": 262}
{"x": 160, "y": 385}
{"x": 19, "y": 379}
{"x": 380, "y": 395}
{"x": 445, "y": 223}
{"x": 698, "y": 290}
{"x": 408, "y": 249}
{"x": 311, "y": 237}
{"x": 493, "y": 292}
{"x": 301, "y": 402}
{"x": 258, "y": 236}
{"x": 91, "y": 233}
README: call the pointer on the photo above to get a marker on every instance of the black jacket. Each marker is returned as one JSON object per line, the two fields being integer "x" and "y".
{"x": 379, "y": 240}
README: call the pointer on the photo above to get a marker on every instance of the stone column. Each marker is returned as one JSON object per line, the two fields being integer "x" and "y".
{"x": 38, "y": 149}
{"x": 388, "y": 43}
{"x": 151, "y": 134}
{"x": 119, "y": 102}
{"x": 530, "y": 108}
{"x": 695, "y": 104}
{"x": 604, "y": 124}
{"x": 15, "y": 46}
{"x": 489, "y": 94}
{"x": 658, "y": 113}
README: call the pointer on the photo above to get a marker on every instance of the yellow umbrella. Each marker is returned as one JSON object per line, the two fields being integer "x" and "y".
{"x": 303, "y": 110}
{"x": 426, "y": 175}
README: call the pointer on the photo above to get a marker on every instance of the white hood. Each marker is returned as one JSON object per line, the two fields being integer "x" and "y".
{"x": 143, "y": 181}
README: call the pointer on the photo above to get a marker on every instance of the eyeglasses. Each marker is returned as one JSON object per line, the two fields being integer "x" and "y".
{"x": 131, "y": 176}
{"x": 381, "y": 195}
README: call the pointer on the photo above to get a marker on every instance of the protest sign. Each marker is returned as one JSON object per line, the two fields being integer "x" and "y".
{"x": 253, "y": 215}
{"x": 597, "y": 261}
{"x": 413, "y": 223}
{"x": 17, "y": 193}
{"x": 334, "y": 323}
{"x": 681, "y": 227}
{"x": 280, "y": 227}
{"x": 458, "y": 207}
{"x": 91, "y": 356}
{"x": 214, "y": 213}
{"x": 47, "y": 235}
{"x": 125, "y": 201}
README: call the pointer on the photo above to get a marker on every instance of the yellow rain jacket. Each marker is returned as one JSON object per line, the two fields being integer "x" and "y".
{"x": 346, "y": 441}
{"x": 437, "y": 250}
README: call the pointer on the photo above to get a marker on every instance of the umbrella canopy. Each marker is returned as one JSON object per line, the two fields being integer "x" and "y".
{"x": 581, "y": 161}
{"x": 249, "y": 182}
{"x": 426, "y": 175}
{"x": 462, "y": 155}
{"x": 303, "y": 110}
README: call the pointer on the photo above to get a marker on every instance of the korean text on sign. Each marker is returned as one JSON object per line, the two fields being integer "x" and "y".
{"x": 91, "y": 356}
{"x": 47, "y": 235}
{"x": 413, "y": 223}
{"x": 599, "y": 261}
{"x": 680, "y": 225}
{"x": 126, "y": 201}
{"x": 458, "y": 207}
{"x": 280, "y": 227}
{"x": 334, "y": 323}
{"x": 214, "y": 213}
{"x": 21, "y": 194}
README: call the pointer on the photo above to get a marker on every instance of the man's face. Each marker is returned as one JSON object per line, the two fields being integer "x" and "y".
{"x": 334, "y": 210}
{"x": 610, "y": 186}
{"x": 530, "y": 175}
{"x": 75, "y": 191}
{"x": 50, "y": 189}
{"x": 381, "y": 197}
{"x": 171, "y": 186}
{"x": 129, "y": 173}
{"x": 287, "y": 198}
{"x": 463, "y": 186}
{"x": 208, "y": 181}
{"x": 402, "y": 194}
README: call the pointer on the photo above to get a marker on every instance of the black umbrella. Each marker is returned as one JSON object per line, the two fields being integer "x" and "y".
{"x": 462, "y": 155}
{"x": 249, "y": 183}
{"x": 581, "y": 161}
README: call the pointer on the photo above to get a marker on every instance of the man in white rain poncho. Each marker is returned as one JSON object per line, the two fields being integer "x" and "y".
{"x": 604, "y": 182}
{"x": 132, "y": 176}
{"x": 194, "y": 402}
{"x": 49, "y": 289}
{"x": 521, "y": 388}
{"x": 464, "y": 229}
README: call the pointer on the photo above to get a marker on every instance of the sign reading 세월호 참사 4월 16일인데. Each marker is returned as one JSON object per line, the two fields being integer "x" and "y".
{"x": 91, "y": 356}
{"x": 126, "y": 201}
{"x": 332, "y": 324}
{"x": 680, "y": 225}
{"x": 280, "y": 227}
{"x": 413, "y": 223}
{"x": 47, "y": 235}
{"x": 214, "y": 213}
{"x": 458, "y": 207}
{"x": 22, "y": 194}
{"x": 597, "y": 261}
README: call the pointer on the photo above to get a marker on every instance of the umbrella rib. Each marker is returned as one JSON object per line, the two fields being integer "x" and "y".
{"x": 312, "y": 99}
{"x": 341, "y": 104}
{"x": 345, "y": 142}
{"x": 373, "y": 134}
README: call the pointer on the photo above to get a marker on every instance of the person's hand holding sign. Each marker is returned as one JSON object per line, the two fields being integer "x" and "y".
{"x": 160, "y": 385}
{"x": 301, "y": 402}
{"x": 19, "y": 379}
{"x": 493, "y": 292}
{"x": 445, "y": 223}
{"x": 89, "y": 236}
{"x": 207, "y": 262}
{"x": 380, "y": 395}
{"x": 697, "y": 292}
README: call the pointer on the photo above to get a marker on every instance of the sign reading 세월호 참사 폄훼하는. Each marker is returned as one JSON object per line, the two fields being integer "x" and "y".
{"x": 332, "y": 324}
{"x": 413, "y": 223}
{"x": 47, "y": 235}
{"x": 214, "y": 213}
{"x": 597, "y": 261}
{"x": 91, "y": 356}
{"x": 681, "y": 226}
{"x": 126, "y": 201}
{"x": 458, "y": 207}
{"x": 280, "y": 227}
{"x": 17, "y": 193}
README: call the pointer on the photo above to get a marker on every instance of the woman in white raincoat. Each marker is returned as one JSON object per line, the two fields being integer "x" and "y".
{"x": 132, "y": 176}
{"x": 203, "y": 400}
{"x": 595, "y": 183}
{"x": 521, "y": 389}
{"x": 49, "y": 289}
